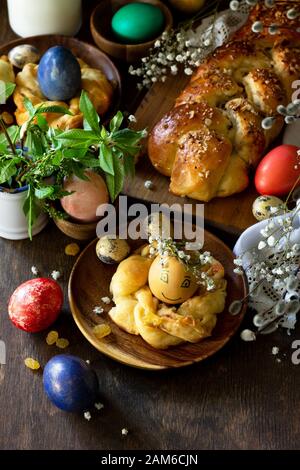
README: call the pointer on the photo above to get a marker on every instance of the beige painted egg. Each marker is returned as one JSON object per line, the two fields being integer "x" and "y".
{"x": 88, "y": 195}
{"x": 261, "y": 207}
{"x": 171, "y": 282}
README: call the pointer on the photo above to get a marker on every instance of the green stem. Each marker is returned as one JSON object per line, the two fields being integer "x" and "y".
{"x": 10, "y": 143}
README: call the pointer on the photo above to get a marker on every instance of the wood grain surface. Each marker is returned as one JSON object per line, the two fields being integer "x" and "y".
{"x": 240, "y": 398}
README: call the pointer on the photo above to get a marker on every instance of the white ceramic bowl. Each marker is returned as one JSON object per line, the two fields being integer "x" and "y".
{"x": 13, "y": 223}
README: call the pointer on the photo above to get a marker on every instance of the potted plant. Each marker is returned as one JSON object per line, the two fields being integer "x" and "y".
{"x": 36, "y": 160}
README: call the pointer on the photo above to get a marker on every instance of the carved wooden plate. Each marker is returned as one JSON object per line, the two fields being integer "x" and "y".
{"x": 89, "y": 282}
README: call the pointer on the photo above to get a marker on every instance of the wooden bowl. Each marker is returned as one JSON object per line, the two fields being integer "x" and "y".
{"x": 103, "y": 36}
{"x": 79, "y": 231}
{"x": 90, "y": 54}
{"x": 89, "y": 282}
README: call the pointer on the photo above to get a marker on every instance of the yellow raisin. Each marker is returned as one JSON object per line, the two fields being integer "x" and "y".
{"x": 32, "y": 363}
{"x": 62, "y": 343}
{"x": 101, "y": 330}
{"x": 52, "y": 337}
{"x": 72, "y": 249}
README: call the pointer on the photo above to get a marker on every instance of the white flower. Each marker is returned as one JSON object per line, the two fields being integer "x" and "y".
{"x": 99, "y": 406}
{"x": 157, "y": 43}
{"x": 261, "y": 245}
{"x": 179, "y": 58}
{"x": 106, "y": 300}
{"x": 131, "y": 118}
{"x": 87, "y": 415}
{"x": 124, "y": 432}
{"x": 275, "y": 350}
{"x": 188, "y": 71}
{"x": 271, "y": 240}
{"x": 248, "y": 335}
{"x": 238, "y": 262}
{"x": 174, "y": 69}
{"x": 98, "y": 310}
{"x": 34, "y": 270}
{"x": 55, "y": 275}
{"x": 149, "y": 184}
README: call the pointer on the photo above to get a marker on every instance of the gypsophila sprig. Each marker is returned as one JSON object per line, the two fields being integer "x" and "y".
{"x": 178, "y": 49}
{"x": 195, "y": 262}
{"x": 273, "y": 270}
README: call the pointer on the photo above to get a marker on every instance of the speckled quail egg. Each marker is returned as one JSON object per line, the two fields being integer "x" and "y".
{"x": 158, "y": 225}
{"x": 262, "y": 207}
{"x": 112, "y": 250}
{"x": 23, "y": 54}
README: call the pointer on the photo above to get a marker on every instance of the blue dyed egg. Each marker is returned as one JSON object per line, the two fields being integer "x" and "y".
{"x": 59, "y": 74}
{"x": 138, "y": 22}
{"x": 70, "y": 383}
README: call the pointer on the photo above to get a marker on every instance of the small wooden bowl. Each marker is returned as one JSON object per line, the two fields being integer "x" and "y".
{"x": 76, "y": 230}
{"x": 90, "y": 54}
{"x": 100, "y": 24}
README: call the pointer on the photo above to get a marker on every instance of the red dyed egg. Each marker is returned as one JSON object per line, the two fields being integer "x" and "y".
{"x": 35, "y": 304}
{"x": 278, "y": 171}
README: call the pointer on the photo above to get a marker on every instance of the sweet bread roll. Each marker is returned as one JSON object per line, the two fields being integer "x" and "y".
{"x": 92, "y": 80}
{"x": 6, "y": 70}
{"x": 214, "y": 133}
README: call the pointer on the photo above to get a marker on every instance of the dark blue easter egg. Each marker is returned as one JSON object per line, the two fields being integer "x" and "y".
{"x": 70, "y": 383}
{"x": 59, "y": 74}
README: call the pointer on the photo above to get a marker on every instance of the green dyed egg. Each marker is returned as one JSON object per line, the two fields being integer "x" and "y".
{"x": 138, "y": 22}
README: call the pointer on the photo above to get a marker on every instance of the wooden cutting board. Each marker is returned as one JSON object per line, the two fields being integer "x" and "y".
{"x": 233, "y": 213}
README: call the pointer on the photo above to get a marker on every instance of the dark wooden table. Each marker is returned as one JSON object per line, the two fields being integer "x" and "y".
{"x": 241, "y": 398}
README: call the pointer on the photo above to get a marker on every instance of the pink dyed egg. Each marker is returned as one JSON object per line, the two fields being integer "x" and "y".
{"x": 87, "y": 196}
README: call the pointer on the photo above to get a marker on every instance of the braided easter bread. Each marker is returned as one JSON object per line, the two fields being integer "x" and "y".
{"x": 214, "y": 133}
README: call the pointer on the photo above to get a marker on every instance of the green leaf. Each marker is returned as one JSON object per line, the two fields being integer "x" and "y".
{"x": 53, "y": 109}
{"x": 90, "y": 162}
{"x": 89, "y": 112}
{"x": 34, "y": 144}
{"x": 129, "y": 166}
{"x": 77, "y": 138}
{"x": 128, "y": 137}
{"x": 44, "y": 192}
{"x": 29, "y": 107}
{"x": 30, "y": 210}
{"x": 14, "y": 134}
{"x": 116, "y": 122}
{"x": 6, "y": 91}
{"x": 115, "y": 183}
{"x": 8, "y": 169}
{"x": 106, "y": 159}
{"x": 42, "y": 123}
{"x": 75, "y": 153}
